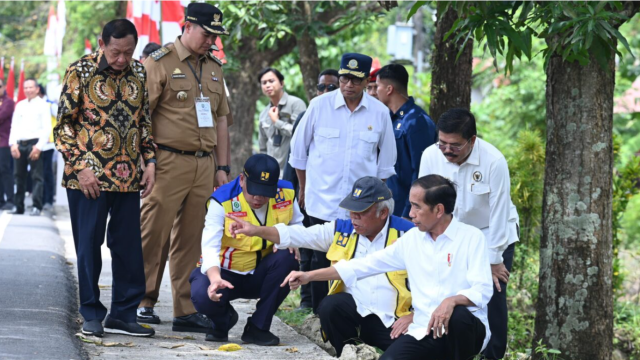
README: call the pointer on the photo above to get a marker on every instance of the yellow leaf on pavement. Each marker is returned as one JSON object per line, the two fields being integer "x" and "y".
{"x": 291, "y": 350}
{"x": 170, "y": 345}
{"x": 230, "y": 347}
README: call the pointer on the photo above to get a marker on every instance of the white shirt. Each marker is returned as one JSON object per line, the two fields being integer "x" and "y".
{"x": 337, "y": 147}
{"x": 373, "y": 295}
{"x": 454, "y": 264}
{"x": 483, "y": 190}
{"x": 31, "y": 120}
{"x": 214, "y": 229}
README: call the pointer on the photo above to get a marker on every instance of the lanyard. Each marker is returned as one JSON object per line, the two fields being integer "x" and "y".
{"x": 194, "y": 74}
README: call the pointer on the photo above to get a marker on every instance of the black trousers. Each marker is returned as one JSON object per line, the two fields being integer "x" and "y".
{"x": 263, "y": 284}
{"x": 319, "y": 289}
{"x": 343, "y": 325}
{"x": 48, "y": 182}
{"x": 89, "y": 223}
{"x": 20, "y": 173}
{"x": 498, "y": 314}
{"x": 463, "y": 342}
{"x": 6, "y": 174}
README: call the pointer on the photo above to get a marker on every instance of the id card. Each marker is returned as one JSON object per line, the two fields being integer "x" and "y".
{"x": 203, "y": 111}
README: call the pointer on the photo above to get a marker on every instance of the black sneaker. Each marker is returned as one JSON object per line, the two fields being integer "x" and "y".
{"x": 220, "y": 335}
{"x": 253, "y": 335}
{"x": 115, "y": 326}
{"x": 192, "y": 323}
{"x": 93, "y": 328}
{"x": 146, "y": 315}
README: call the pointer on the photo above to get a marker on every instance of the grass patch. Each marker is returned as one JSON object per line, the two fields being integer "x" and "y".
{"x": 288, "y": 313}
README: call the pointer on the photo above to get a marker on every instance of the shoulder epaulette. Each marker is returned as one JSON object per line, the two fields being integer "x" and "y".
{"x": 158, "y": 54}
{"x": 215, "y": 58}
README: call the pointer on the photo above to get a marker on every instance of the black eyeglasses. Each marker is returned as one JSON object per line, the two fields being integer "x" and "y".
{"x": 322, "y": 87}
{"x": 354, "y": 81}
{"x": 453, "y": 148}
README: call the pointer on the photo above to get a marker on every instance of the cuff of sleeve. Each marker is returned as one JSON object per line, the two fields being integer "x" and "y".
{"x": 296, "y": 163}
{"x": 495, "y": 257}
{"x": 78, "y": 165}
{"x": 150, "y": 161}
{"x": 473, "y": 296}
{"x": 285, "y": 239}
{"x": 347, "y": 274}
{"x": 280, "y": 124}
{"x": 210, "y": 258}
{"x": 386, "y": 173}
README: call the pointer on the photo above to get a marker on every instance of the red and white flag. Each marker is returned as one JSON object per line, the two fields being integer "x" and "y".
{"x": 11, "y": 81}
{"x": 21, "y": 95}
{"x": 87, "y": 46}
{"x": 145, "y": 15}
{"x": 2, "y": 69}
{"x": 172, "y": 19}
{"x": 56, "y": 27}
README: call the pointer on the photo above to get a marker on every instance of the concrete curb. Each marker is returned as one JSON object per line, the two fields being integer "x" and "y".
{"x": 38, "y": 296}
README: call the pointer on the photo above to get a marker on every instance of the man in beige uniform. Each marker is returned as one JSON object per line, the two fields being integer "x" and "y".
{"x": 184, "y": 79}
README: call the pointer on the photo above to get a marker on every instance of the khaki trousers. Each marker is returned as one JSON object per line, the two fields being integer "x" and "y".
{"x": 172, "y": 220}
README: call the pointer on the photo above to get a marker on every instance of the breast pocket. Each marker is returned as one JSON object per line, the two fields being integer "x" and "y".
{"x": 213, "y": 90}
{"x": 478, "y": 205}
{"x": 367, "y": 144}
{"x": 181, "y": 95}
{"x": 327, "y": 140}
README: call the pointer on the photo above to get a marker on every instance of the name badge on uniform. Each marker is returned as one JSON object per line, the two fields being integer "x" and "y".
{"x": 203, "y": 111}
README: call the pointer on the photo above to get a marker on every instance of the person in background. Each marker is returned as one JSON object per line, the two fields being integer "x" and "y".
{"x": 413, "y": 128}
{"x": 343, "y": 136}
{"x": 148, "y": 49}
{"x": 47, "y": 155}
{"x": 327, "y": 82}
{"x": 6, "y": 173}
{"x": 372, "y": 86}
{"x": 30, "y": 131}
{"x": 276, "y": 120}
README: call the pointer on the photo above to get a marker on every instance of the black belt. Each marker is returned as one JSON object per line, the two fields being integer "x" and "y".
{"x": 28, "y": 142}
{"x": 198, "y": 153}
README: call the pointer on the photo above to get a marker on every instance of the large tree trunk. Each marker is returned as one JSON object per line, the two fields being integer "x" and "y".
{"x": 450, "y": 79}
{"x": 575, "y": 300}
{"x": 308, "y": 49}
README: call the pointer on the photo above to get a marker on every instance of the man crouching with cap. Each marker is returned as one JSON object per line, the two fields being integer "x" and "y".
{"x": 245, "y": 266}
{"x": 374, "y": 310}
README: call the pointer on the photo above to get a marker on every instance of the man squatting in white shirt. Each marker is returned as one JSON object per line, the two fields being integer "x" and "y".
{"x": 448, "y": 269}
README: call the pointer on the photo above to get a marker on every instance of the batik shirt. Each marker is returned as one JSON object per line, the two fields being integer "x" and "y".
{"x": 104, "y": 123}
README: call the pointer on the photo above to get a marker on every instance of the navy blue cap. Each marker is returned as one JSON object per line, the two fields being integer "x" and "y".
{"x": 366, "y": 191}
{"x": 355, "y": 64}
{"x": 261, "y": 172}
{"x": 207, "y": 16}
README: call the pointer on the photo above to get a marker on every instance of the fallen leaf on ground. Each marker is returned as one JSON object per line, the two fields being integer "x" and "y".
{"x": 230, "y": 347}
{"x": 99, "y": 342}
{"x": 170, "y": 345}
{"x": 205, "y": 348}
{"x": 104, "y": 286}
{"x": 69, "y": 263}
{"x": 291, "y": 350}
{"x": 117, "y": 344}
{"x": 177, "y": 337}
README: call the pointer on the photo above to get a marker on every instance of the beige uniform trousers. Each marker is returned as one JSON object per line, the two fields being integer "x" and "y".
{"x": 172, "y": 221}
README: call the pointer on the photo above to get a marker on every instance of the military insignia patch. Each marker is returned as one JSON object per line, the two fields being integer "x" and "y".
{"x": 158, "y": 54}
{"x": 477, "y": 176}
{"x": 235, "y": 206}
{"x": 177, "y": 74}
{"x": 353, "y": 64}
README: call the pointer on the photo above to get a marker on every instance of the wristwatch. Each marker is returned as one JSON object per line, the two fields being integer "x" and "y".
{"x": 225, "y": 168}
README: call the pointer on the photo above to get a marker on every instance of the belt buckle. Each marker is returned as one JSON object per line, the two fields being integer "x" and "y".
{"x": 199, "y": 153}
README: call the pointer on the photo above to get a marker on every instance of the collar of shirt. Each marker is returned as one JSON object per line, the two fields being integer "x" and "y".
{"x": 381, "y": 235}
{"x": 283, "y": 99}
{"x": 104, "y": 65}
{"x": 183, "y": 53}
{"x": 339, "y": 101}
{"x": 451, "y": 232}
{"x": 404, "y": 109}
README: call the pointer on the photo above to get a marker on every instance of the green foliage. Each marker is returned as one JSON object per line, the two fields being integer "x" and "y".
{"x": 288, "y": 313}
{"x": 626, "y": 324}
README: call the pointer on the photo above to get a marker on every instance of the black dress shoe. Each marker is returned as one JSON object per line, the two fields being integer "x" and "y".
{"x": 115, "y": 326}
{"x": 253, "y": 335}
{"x": 15, "y": 211}
{"x": 146, "y": 315}
{"x": 221, "y": 335}
{"x": 191, "y": 323}
{"x": 93, "y": 328}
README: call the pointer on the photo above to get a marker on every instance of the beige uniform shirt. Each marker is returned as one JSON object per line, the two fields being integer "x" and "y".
{"x": 173, "y": 89}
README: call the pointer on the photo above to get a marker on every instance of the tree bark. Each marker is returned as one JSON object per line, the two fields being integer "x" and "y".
{"x": 308, "y": 49}
{"x": 450, "y": 79}
{"x": 575, "y": 300}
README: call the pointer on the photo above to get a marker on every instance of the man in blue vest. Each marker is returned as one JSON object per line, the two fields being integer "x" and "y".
{"x": 374, "y": 310}
{"x": 245, "y": 267}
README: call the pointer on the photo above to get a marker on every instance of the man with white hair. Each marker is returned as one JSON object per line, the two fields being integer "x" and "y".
{"x": 375, "y": 310}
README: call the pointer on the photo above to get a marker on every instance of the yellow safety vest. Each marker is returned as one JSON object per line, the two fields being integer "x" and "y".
{"x": 244, "y": 253}
{"x": 344, "y": 245}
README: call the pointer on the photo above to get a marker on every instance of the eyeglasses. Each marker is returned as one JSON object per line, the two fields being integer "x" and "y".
{"x": 355, "y": 81}
{"x": 322, "y": 87}
{"x": 457, "y": 148}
